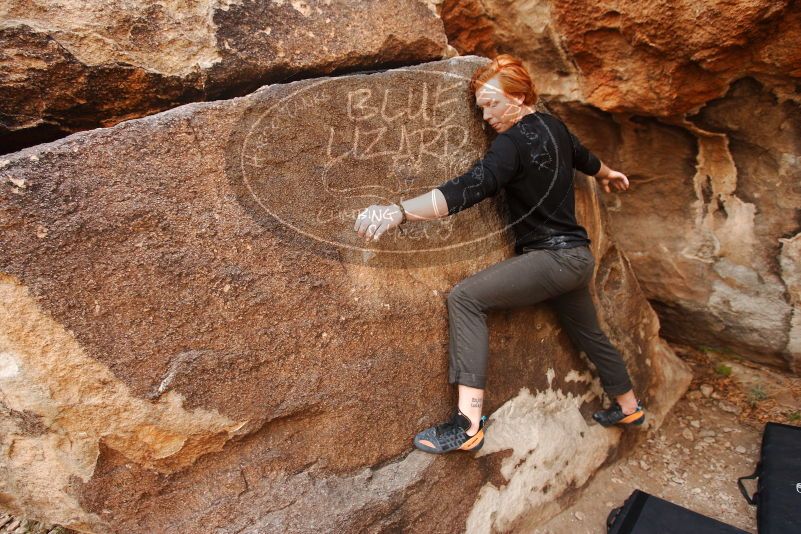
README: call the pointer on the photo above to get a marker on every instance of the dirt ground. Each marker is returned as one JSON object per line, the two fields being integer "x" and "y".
{"x": 710, "y": 438}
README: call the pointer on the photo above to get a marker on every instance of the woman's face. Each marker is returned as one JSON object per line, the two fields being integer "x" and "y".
{"x": 501, "y": 110}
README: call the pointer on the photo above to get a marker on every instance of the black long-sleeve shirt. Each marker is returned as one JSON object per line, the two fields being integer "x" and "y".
{"x": 534, "y": 161}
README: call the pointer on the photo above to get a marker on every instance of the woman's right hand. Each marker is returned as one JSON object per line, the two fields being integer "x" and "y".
{"x": 375, "y": 220}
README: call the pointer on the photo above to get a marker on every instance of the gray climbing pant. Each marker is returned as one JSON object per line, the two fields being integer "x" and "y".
{"x": 559, "y": 276}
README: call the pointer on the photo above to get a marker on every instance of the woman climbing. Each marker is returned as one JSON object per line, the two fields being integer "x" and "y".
{"x": 532, "y": 158}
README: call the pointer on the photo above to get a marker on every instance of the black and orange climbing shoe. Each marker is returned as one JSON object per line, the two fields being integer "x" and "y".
{"x": 615, "y": 416}
{"x": 451, "y": 436}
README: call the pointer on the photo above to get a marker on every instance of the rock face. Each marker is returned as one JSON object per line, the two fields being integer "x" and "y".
{"x": 665, "y": 58}
{"x": 700, "y": 107}
{"x": 69, "y": 66}
{"x": 193, "y": 338}
{"x": 525, "y": 28}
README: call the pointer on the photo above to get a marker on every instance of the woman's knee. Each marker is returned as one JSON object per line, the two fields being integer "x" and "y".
{"x": 457, "y": 293}
{"x": 461, "y": 296}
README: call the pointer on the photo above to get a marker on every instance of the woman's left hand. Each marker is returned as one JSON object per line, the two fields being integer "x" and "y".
{"x": 615, "y": 180}
{"x": 375, "y": 220}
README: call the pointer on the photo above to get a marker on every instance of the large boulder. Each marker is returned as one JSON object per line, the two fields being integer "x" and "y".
{"x": 193, "y": 339}
{"x": 75, "y": 65}
{"x": 700, "y": 107}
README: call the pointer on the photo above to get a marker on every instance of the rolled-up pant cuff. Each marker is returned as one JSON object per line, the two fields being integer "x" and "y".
{"x": 467, "y": 379}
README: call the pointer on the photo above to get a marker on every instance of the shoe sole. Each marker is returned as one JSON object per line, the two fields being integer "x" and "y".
{"x": 471, "y": 445}
{"x": 474, "y": 443}
{"x": 637, "y": 418}
{"x": 634, "y": 419}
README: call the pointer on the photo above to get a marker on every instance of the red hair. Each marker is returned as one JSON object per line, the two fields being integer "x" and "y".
{"x": 513, "y": 77}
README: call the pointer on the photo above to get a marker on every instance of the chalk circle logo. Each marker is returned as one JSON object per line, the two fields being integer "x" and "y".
{"x": 798, "y": 487}
{"x": 310, "y": 156}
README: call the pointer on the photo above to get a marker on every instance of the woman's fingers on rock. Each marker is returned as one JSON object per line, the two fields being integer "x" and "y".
{"x": 367, "y": 227}
{"x": 361, "y": 226}
{"x": 359, "y": 219}
{"x": 363, "y": 222}
{"x": 380, "y": 231}
{"x": 371, "y": 229}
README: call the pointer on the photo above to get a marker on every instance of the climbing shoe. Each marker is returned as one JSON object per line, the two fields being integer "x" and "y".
{"x": 615, "y": 416}
{"x": 451, "y": 436}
